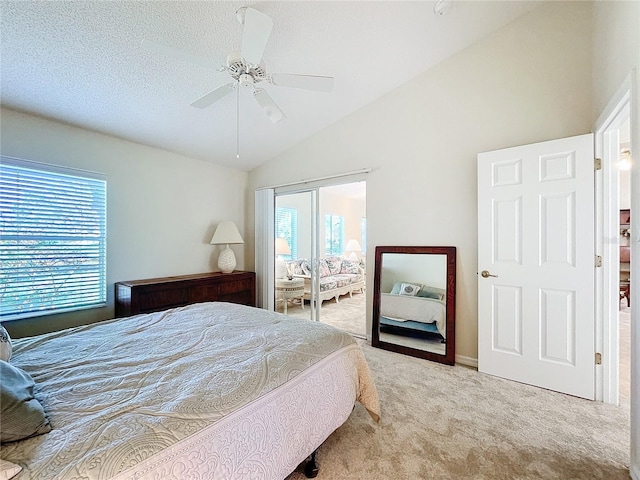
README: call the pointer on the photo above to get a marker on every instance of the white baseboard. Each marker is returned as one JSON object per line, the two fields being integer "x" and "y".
{"x": 469, "y": 362}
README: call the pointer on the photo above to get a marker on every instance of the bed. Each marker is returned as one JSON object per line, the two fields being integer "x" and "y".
{"x": 210, "y": 390}
{"x": 415, "y": 313}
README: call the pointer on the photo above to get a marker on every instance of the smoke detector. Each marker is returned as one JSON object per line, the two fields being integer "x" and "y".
{"x": 442, "y": 7}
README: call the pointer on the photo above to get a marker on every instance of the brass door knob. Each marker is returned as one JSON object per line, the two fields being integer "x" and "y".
{"x": 486, "y": 274}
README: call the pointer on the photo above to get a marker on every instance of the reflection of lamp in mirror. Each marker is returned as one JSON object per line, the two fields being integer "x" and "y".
{"x": 352, "y": 250}
{"x": 282, "y": 248}
{"x": 226, "y": 233}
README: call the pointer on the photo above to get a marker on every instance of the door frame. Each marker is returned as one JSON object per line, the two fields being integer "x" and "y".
{"x": 607, "y": 235}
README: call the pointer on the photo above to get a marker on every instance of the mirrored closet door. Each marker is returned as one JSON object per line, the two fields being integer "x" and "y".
{"x": 320, "y": 248}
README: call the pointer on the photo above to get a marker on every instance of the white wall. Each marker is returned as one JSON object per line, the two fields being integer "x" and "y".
{"x": 162, "y": 208}
{"x": 428, "y": 270}
{"x": 528, "y": 82}
{"x": 616, "y": 57}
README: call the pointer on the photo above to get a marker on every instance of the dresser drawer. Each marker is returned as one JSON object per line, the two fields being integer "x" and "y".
{"x": 162, "y": 299}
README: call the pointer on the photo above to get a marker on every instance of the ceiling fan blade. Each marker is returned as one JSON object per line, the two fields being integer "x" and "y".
{"x": 154, "y": 47}
{"x": 308, "y": 82}
{"x": 214, "y": 95}
{"x": 268, "y": 105}
{"x": 255, "y": 35}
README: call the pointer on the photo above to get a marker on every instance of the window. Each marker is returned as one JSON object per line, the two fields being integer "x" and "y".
{"x": 287, "y": 227}
{"x": 52, "y": 239}
{"x": 334, "y": 234}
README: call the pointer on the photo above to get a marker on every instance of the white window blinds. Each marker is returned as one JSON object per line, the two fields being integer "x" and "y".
{"x": 286, "y": 226}
{"x": 52, "y": 239}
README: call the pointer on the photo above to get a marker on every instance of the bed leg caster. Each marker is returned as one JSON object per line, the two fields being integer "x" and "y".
{"x": 311, "y": 468}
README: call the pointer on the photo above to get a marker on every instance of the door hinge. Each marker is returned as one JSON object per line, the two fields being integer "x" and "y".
{"x": 598, "y": 261}
{"x": 598, "y": 358}
{"x": 597, "y": 164}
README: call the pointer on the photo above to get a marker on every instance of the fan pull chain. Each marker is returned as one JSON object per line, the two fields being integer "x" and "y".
{"x": 238, "y": 121}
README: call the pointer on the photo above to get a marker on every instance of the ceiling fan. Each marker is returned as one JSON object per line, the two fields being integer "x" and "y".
{"x": 246, "y": 67}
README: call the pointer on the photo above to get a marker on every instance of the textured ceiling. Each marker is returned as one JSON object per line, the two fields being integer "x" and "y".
{"x": 80, "y": 62}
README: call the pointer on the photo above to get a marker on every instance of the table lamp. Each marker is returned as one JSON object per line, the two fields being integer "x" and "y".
{"x": 226, "y": 233}
{"x": 353, "y": 246}
{"x": 282, "y": 248}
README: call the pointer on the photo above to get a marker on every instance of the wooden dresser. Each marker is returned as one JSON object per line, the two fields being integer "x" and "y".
{"x": 154, "y": 294}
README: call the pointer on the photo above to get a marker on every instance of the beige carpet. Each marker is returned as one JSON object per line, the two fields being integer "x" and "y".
{"x": 347, "y": 314}
{"x": 441, "y": 422}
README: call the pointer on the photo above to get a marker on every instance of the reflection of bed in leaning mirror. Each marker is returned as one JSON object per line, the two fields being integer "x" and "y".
{"x": 411, "y": 313}
{"x": 424, "y": 311}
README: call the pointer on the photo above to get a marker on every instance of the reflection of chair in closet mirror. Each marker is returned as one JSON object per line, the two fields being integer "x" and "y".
{"x": 290, "y": 290}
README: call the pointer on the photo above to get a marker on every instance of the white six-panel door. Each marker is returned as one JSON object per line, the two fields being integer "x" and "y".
{"x": 536, "y": 240}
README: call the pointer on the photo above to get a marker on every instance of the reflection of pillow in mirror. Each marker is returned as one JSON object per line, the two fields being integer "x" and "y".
{"x": 396, "y": 289}
{"x": 427, "y": 294}
{"x": 410, "y": 289}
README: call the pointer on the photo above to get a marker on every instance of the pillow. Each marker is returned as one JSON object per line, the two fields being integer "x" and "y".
{"x": 428, "y": 294}
{"x": 410, "y": 289}
{"x": 323, "y": 268}
{"x": 349, "y": 266}
{"x": 5, "y": 345}
{"x": 334, "y": 264}
{"x": 21, "y": 415}
{"x": 8, "y": 470}
{"x": 299, "y": 267}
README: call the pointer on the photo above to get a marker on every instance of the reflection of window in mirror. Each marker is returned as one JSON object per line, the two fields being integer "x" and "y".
{"x": 287, "y": 227}
{"x": 334, "y": 234}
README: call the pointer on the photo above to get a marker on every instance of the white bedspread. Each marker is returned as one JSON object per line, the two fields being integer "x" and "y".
{"x": 419, "y": 309}
{"x": 212, "y": 390}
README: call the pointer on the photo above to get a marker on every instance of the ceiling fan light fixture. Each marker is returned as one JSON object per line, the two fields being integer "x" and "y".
{"x": 246, "y": 80}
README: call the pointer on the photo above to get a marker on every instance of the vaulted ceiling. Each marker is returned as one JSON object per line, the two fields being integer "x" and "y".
{"x": 81, "y": 63}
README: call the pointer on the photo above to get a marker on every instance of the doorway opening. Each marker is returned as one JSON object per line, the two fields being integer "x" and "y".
{"x": 623, "y": 167}
{"x": 613, "y": 145}
{"x": 320, "y": 251}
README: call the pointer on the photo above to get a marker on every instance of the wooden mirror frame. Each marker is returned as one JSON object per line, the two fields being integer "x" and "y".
{"x": 450, "y": 302}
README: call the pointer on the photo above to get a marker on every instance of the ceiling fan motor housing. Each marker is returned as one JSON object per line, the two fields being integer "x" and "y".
{"x": 238, "y": 68}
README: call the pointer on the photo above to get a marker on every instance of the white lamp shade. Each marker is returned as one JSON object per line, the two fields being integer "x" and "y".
{"x": 353, "y": 246}
{"x": 226, "y": 233}
{"x": 282, "y": 247}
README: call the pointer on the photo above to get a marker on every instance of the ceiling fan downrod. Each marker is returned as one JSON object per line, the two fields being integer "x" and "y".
{"x": 238, "y": 122}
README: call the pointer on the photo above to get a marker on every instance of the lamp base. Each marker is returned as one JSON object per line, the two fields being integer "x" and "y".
{"x": 281, "y": 268}
{"x": 226, "y": 260}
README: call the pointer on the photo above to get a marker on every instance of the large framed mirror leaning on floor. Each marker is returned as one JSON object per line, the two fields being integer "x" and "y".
{"x": 414, "y": 301}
